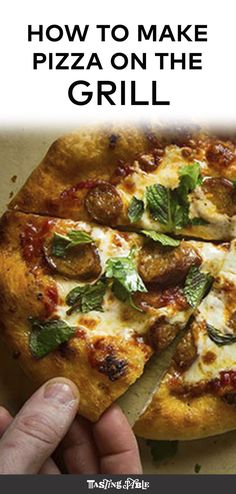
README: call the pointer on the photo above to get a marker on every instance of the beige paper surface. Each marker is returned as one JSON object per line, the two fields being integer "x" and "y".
{"x": 20, "y": 152}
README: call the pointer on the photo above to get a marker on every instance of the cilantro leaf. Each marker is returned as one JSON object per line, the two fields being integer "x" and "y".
{"x": 60, "y": 243}
{"x": 196, "y": 286}
{"x": 136, "y": 209}
{"x": 160, "y": 450}
{"x": 86, "y": 298}
{"x": 218, "y": 337}
{"x": 123, "y": 270}
{"x": 161, "y": 238}
{"x": 46, "y": 336}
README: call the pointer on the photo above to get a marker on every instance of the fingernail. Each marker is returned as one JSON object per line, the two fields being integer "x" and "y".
{"x": 60, "y": 392}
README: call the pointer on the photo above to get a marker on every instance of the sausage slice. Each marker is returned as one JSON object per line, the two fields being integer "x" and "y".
{"x": 166, "y": 266}
{"x": 186, "y": 352}
{"x": 104, "y": 203}
{"x": 81, "y": 262}
{"x": 221, "y": 193}
{"x": 161, "y": 334}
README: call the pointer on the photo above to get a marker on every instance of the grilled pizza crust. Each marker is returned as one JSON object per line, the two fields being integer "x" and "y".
{"x": 19, "y": 298}
{"x": 77, "y": 157}
{"x": 92, "y": 175}
{"x": 169, "y": 417}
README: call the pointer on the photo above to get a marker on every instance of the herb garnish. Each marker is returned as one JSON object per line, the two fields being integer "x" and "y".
{"x": 161, "y": 450}
{"x": 171, "y": 206}
{"x": 162, "y": 238}
{"x": 61, "y": 243}
{"x": 46, "y": 336}
{"x": 135, "y": 210}
{"x": 218, "y": 337}
{"x": 86, "y": 298}
{"x": 196, "y": 286}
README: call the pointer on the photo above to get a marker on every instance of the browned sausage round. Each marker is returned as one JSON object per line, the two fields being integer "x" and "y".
{"x": 161, "y": 334}
{"x": 186, "y": 352}
{"x": 221, "y": 193}
{"x": 166, "y": 266}
{"x": 81, "y": 262}
{"x": 161, "y": 297}
{"x": 149, "y": 162}
{"x": 104, "y": 203}
{"x": 219, "y": 154}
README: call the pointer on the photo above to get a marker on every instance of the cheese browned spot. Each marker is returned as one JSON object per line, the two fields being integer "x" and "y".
{"x": 105, "y": 359}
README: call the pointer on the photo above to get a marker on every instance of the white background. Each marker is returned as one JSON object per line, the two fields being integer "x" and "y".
{"x": 39, "y": 98}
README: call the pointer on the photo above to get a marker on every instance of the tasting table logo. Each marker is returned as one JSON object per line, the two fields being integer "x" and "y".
{"x": 126, "y": 484}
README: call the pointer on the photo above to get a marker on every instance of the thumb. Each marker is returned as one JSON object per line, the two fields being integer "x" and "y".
{"x": 39, "y": 427}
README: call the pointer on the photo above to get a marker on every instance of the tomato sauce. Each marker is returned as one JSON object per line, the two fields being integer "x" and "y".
{"x": 32, "y": 239}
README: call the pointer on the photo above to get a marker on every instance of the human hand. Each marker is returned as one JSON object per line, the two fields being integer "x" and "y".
{"x": 48, "y": 419}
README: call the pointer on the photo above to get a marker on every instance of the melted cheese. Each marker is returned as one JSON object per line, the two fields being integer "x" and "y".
{"x": 119, "y": 317}
{"x": 216, "y": 309}
{"x": 167, "y": 174}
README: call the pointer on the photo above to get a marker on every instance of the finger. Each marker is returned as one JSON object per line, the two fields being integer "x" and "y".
{"x": 116, "y": 444}
{"x": 5, "y": 420}
{"x": 49, "y": 468}
{"x": 79, "y": 450}
{"x": 39, "y": 427}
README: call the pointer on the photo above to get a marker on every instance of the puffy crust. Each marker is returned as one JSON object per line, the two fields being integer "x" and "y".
{"x": 19, "y": 287}
{"x": 169, "y": 417}
{"x": 79, "y": 156}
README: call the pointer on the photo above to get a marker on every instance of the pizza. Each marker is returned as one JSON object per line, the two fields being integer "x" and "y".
{"x": 119, "y": 240}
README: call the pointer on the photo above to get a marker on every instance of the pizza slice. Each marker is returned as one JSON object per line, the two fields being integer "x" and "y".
{"x": 198, "y": 395}
{"x": 178, "y": 183}
{"x": 91, "y": 303}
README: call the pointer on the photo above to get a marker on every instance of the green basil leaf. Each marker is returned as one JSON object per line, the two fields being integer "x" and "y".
{"x": 190, "y": 177}
{"x": 60, "y": 243}
{"x": 75, "y": 294}
{"x": 199, "y": 221}
{"x": 161, "y": 450}
{"x": 196, "y": 286}
{"x": 218, "y": 337}
{"x": 197, "y": 468}
{"x": 46, "y": 336}
{"x": 234, "y": 183}
{"x": 171, "y": 206}
{"x": 181, "y": 215}
{"x": 122, "y": 294}
{"x": 161, "y": 203}
{"x": 123, "y": 269}
{"x": 86, "y": 298}
{"x": 161, "y": 238}
{"x": 136, "y": 209}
